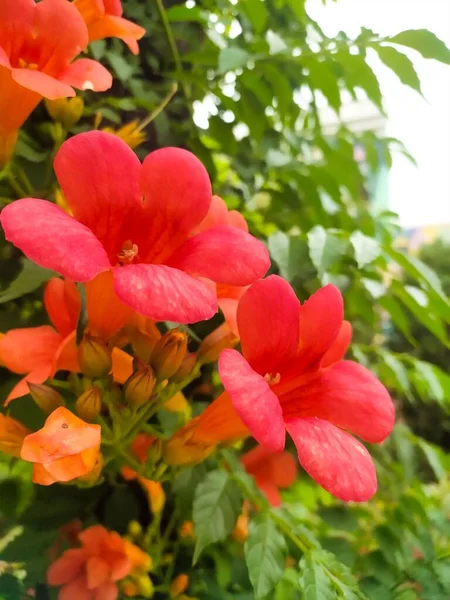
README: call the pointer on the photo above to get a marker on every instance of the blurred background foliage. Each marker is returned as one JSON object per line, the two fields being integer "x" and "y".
{"x": 239, "y": 83}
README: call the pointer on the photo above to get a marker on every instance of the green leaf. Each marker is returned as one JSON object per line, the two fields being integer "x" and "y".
{"x": 265, "y": 553}
{"x": 324, "y": 248}
{"x": 83, "y": 316}
{"x": 397, "y": 314}
{"x": 184, "y": 14}
{"x": 366, "y": 249}
{"x": 216, "y": 508}
{"x": 397, "y": 369}
{"x": 123, "y": 68}
{"x": 232, "y": 58}
{"x": 322, "y": 77}
{"x": 30, "y": 278}
{"x": 425, "y": 42}
{"x": 257, "y": 13}
{"x": 401, "y": 65}
{"x": 426, "y": 371}
{"x": 359, "y": 74}
{"x": 314, "y": 580}
{"x": 290, "y": 254}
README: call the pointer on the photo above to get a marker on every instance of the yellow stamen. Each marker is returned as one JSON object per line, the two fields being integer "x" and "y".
{"x": 128, "y": 253}
{"x": 272, "y": 379}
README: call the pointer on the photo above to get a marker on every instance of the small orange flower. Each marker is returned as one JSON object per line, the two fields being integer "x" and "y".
{"x": 12, "y": 434}
{"x": 91, "y": 572}
{"x": 179, "y": 585}
{"x": 64, "y": 449}
{"x": 271, "y": 471}
{"x": 103, "y": 19}
{"x": 185, "y": 447}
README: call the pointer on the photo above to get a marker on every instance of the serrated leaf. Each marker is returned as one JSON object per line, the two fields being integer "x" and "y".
{"x": 314, "y": 580}
{"x": 216, "y": 508}
{"x": 265, "y": 553}
{"x": 30, "y": 278}
{"x": 359, "y": 74}
{"x": 366, "y": 248}
{"x": 324, "y": 248}
{"x": 232, "y": 58}
{"x": 425, "y": 42}
{"x": 401, "y": 65}
{"x": 323, "y": 78}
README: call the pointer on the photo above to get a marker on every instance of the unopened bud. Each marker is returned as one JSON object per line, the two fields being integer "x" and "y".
{"x": 156, "y": 496}
{"x": 46, "y": 397}
{"x": 139, "y": 387}
{"x": 134, "y": 529}
{"x": 12, "y": 434}
{"x": 145, "y": 586}
{"x": 179, "y": 585}
{"x": 220, "y": 339}
{"x": 94, "y": 357}
{"x": 187, "y": 531}
{"x": 130, "y": 589}
{"x": 89, "y": 404}
{"x": 185, "y": 368}
{"x": 169, "y": 353}
{"x": 66, "y": 111}
{"x": 240, "y": 531}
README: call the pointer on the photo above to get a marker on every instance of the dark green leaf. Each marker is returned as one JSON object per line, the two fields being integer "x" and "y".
{"x": 30, "y": 278}
{"x": 265, "y": 553}
{"x": 216, "y": 508}
{"x": 425, "y": 42}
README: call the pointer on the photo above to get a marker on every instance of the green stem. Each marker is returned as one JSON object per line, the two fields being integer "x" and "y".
{"x": 64, "y": 385}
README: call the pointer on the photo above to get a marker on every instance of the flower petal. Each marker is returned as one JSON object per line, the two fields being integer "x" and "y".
{"x": 43, "y": 84}
{"x": 62, "y": 303}
{"x": 176, "y": 204}
{"x": 97, "y": 571}
{"x": 67, "y": 567}
{"x": 60, "y": 33}
{"x": 51, "y": 238}
{"x": 219, "y": 422}
{"x": 107, "y": 591}
{"x": 348, "y": 395}
{"x": 321, "y": 318}
{"x": 99, "y": 174}
{"x": 42, "y": 476}
{"x": 87, "y": 74}
{"x": 334, "y": 459}
{"x": 22, "y": 389}
{"x": 66, "y": 357}
{"x": 112, "y": 26}
{"x": 16, "y": 17}
{"x": 28, "y": 349}
{"x": 77, "y": 588}
{"x": 340, "y": 346}
{"x": 203, "y": 255}
{"x": 254, "y": 401}
{"x": 122, "y": 365}
{"x": 164, "y": 294}
{"x": 106, "y": 313}
{"x": 267, "y": 319}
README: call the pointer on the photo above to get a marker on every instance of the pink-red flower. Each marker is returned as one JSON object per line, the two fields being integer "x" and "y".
{"x": 39, "y": 352}
{"x": 91, "y": 572}
{"x": 38, "y": 44}
{"x": 291, "y": 377}
{"x": 272, "y": 471}
{"x": 136, "y": 221}
{"x": 103, "y": 19}
{"x": 65, "y": 448}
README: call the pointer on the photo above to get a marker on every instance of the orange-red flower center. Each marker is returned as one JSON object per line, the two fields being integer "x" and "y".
{"x": 23, "y": 64}
{"x": 128, "y": 253}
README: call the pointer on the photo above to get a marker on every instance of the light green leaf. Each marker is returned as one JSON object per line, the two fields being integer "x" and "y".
{"x": 397, "y": 369}
{"x": 265, "y": 553}
{"x": 366, "y": 249}
{"x": 425, "y": 42}
{"x": 359, "y": 74}
{"x": 322, "y": 77}
{"x": 398, "y": 316}
{"x": 314, "y": 580}
{"x": 232, "y": 58}
{"x": 324, "y": 248}
{"x": 257, "y": 13}
{"x": 290, "y": 254}
{"x": 401, "y": 65}
{"x": 216, "y": 508}
{"x": 426, "y": 371}
{"x": 30, "y": 278}
{"x": 183, "y": 13}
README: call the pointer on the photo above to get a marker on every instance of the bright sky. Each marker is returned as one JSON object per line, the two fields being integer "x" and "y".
{"x": 420, "y": 195}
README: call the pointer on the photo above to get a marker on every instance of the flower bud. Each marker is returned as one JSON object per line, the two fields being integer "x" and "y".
{"x": 46, "y": 397}
{"x": 89, "y": 404}
{"x": 179, "y": 585}
{"x": 130, "y": 589}
{"x": 240, "y": 531}
{"x": 66, "y": 111}
{"x": 185, "y": 368}
{"x": 187, "y": 531}
{"x": 220, "y": 339}
{"x": 139, "y": 387}
{"x": 94, "y": 357}
{"x": 156, "y": 496}
{"x": 145, "y": 586}
{"x": 12, "y": 434}
{"x": 134, "y": 529}
{"x": 169, "y": 353}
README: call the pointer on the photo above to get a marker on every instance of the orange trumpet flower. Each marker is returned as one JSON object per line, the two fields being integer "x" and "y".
{"x": 103, "y": 19}
{"x": 12, "y": 434}
{"x": 38, "y": 43}
{"x": 64, "y": 449}
{"x": 39, "y": 352}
